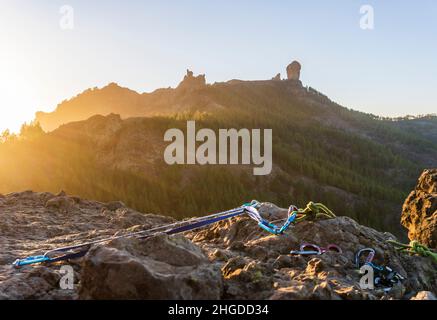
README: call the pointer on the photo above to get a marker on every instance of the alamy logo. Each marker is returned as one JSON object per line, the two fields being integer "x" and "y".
{"x": 67, "y": 17}
{"x": 367, "y": 280}
{"x": 67, "y": 280}
{"x": 228, "y": 147}
{"x": 367, "y": 21}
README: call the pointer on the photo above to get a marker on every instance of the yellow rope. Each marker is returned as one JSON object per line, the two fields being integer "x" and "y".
{"x": 414, "y": 248}
{"x": 314, "y": 211}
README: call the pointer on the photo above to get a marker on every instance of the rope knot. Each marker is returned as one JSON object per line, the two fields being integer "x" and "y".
{"x": 414, "y": 247}
{"x": 311, "y": 211}
{"x": 314, "y": 211}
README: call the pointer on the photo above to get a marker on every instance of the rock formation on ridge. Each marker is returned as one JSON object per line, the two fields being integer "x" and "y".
{"x": 293, "y": 71}
{"x": 192, "y": 82}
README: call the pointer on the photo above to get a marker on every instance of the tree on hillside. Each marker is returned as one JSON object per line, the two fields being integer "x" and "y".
{"x": 7, "y": 136}
{"x": 31, "y": 131}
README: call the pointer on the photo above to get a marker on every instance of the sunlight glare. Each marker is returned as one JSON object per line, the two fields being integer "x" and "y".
{"x": 17, "y": 100}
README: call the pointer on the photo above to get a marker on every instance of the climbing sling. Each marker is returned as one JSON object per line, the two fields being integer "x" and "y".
{"x": 414, "y": 248}
{"x": 77, "y": 251}
{"x": 312, "y": 211}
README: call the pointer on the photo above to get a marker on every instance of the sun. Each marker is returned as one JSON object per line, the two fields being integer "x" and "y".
{"x": 17, "y": 100}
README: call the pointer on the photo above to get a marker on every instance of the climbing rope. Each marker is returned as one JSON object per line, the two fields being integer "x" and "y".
{"x": 414, "y": 248}
{"x": 314, "y": 211}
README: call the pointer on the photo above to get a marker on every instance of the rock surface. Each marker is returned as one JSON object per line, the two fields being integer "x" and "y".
{"x": 32, "y": 223}
{"x": 424, "y": 295}
{"x": 277, "y": 77}
{"x": 232, "y": 259}
{"x": 160, "y": 268}
{"x": 419, "y": 213}
{"x": 293, "y": 71}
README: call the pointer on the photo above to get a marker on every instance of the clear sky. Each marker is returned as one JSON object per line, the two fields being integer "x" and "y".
{"x": 390, "y": 70}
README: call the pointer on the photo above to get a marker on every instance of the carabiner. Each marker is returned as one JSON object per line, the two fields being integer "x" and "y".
{"x": 369, "y": 258}
{"x": 253, "y": 204}
{"x": 315, "y": 249}
{"x": 332, "y": 247}
{"x": 274, "y": 229}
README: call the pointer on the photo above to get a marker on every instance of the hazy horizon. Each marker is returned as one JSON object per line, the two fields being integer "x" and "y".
{"x": 388, "y": 71}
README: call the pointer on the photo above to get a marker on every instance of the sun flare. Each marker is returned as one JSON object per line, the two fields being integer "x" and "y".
{"x": 17, "y": 101}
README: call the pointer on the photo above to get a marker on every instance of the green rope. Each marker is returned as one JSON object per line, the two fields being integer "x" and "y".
{"x": 414, "y": 248}
{"x": 314, "y": 211}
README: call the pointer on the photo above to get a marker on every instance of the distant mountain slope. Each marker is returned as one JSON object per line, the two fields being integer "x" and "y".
{"x": 424, "y": 125}
{"x": 115, "y": 99}
{"x": 357, "y": 164}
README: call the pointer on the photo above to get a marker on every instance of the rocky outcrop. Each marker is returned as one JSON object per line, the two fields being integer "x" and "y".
{"x": 419, "y": 213}
{"x": 277, "y": 77}
{"x": 232, "y": 259}
{"x": 259, "y": 266}
{"x": 293, "y": 71}
{"x": 34, "y": 222}
{"x": 424, "y": 295}
{"x": 191, "y": 82}
{"x": 160, "y": 268}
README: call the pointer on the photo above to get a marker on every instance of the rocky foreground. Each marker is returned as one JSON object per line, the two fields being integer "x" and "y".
{"x": 232, "y": 259}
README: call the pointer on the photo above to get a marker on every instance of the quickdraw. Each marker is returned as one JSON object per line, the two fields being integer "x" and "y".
{"x": 311, "y": 212}
{"x": 315, "y": 249}
{"x": 77, "y": 251}
{"x": 272, "y": 228}
{"x": 384, "y": 276}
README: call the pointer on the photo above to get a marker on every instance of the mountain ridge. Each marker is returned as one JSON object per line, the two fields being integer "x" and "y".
{"x": 358, "y": 164}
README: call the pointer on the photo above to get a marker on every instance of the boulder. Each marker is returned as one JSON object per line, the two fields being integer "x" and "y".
{"x": 36, "y": 283}
{"x": 419, "y": 212}
{"x": 161, "y": 267}
{"x": 114, "y": 205}
{"x": 62, "y": 203}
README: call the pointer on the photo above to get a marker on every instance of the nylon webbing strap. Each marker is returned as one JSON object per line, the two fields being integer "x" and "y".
{"x": 77, "y": 251}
